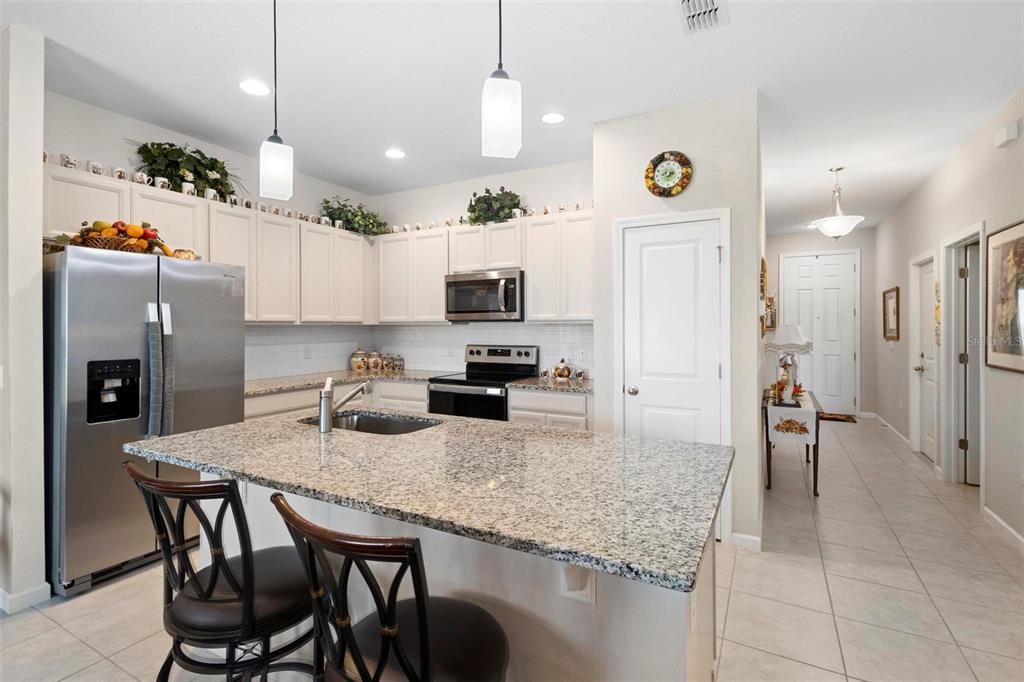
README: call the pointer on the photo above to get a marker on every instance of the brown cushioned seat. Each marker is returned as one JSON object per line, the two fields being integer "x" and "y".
{"x": 280, "y": 595}
{"x": 466, "y": 642}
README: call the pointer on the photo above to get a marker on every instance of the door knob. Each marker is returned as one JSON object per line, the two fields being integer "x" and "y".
{"x": 919, "y": 368}
{"x": 632, "y": 390}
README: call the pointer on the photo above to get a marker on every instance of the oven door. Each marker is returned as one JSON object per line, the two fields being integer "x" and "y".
{"x": 491, "y": 295}
{"x": 481, "y": 402}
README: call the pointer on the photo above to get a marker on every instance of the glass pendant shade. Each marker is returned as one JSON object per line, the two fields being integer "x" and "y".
{"x": 836, "y": 224}
{"x": 501, "y": 108}
{"x": 275, "y": 169}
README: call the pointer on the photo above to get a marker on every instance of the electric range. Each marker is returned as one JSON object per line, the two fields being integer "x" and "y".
{"x": 481, "y": 390}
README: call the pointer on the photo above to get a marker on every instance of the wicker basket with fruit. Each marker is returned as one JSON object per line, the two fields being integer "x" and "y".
{"x": 119, "y": 236}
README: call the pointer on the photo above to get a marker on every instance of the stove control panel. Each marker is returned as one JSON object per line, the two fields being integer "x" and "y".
{"x": 504, "y": 355}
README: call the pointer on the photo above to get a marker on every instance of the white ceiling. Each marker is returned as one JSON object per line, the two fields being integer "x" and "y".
{"x": 888, "y": 89}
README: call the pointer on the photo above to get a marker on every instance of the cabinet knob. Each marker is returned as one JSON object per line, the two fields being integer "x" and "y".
{"x": 632, "y": 390}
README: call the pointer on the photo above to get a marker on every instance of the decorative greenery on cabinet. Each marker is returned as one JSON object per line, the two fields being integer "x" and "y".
{"x": 354, "y": 218}
{"x": 493, "y": 208}
{"x": 182, "y": 163}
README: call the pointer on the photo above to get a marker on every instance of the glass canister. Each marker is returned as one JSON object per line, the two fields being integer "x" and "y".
{"x": 358, "y": 361}
{"x": 374, "y": 361}
{"x": 399, "y": 363}
{"x": 388, "y": 363}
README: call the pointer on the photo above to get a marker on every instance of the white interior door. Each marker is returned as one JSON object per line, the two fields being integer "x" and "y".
{"x": 819, "y": 294}
{"x": 671, "y": 331}
{"x": 925, "y": 367}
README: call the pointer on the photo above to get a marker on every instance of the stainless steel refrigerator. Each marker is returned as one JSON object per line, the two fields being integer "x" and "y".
{"x": 137, "y": 346}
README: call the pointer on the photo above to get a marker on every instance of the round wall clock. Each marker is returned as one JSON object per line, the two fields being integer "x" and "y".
{"x": 668, "y": 174}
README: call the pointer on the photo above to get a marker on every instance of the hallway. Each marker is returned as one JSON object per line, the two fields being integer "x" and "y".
{"x": 890, "y": 574}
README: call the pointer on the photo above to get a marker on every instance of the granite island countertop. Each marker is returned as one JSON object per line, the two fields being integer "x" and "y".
{"x": 638, "y": 508}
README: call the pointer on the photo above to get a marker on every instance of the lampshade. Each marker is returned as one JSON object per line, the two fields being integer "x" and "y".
{"x": 501, "y": 109}
{"x": 275, "y": 169}
{"x": 836, "y": 226}
{"x": 789, "y": 339}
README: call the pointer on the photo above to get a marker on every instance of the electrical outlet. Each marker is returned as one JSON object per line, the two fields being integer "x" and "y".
{"x": 577, "y": 583}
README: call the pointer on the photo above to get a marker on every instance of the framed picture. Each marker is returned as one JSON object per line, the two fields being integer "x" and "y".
{"x": 891, "y": 314}
{"x": 1004, "y": 299}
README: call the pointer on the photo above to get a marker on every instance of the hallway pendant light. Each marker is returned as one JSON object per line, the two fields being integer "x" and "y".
{"x": 836, "y": 224}
{"x": 276, "y": 162}
{"x": 501, "y": 111}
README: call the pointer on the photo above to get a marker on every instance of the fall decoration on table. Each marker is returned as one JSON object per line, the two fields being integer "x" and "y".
{"x": 493, "y": 208}
{"x": 122, "y": 236}
{"x": 668, "y": 174}
{"x": 791, "y": 426}
{"x": 182, "y": 163}
{"x": 356, "y": 218}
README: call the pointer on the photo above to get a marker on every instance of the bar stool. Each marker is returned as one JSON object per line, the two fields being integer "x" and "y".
{"x": 423, "y": 638}
{"x": 235, "y": 603}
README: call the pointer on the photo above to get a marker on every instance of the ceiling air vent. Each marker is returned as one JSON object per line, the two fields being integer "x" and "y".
{"x": 701, "y": 15}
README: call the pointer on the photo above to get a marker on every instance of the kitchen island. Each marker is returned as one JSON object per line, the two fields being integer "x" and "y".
{"x": 594, "y": 551}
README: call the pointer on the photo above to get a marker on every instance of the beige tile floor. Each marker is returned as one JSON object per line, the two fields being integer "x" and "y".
{"x": 889, "y": 575}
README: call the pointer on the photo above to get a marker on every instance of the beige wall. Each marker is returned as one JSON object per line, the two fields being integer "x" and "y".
{"x": 721, "y": 137}
{"x": 978, "y": 183}
{"x": 812, "y": 241}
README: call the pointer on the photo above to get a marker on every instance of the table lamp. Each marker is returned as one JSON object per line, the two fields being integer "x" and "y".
{"x": 789, "y": 342}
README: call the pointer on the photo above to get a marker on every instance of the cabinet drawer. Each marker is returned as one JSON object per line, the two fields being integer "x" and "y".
{"x": 390, "y": 390}
{"x": 282, "y": 402}
{"x": 567, "y": 421}
{"x": 542, "y": 401}
{"x": 527, "y": 417}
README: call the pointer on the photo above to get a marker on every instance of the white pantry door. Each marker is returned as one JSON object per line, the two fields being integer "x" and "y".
{"x": 925, "y": 367}
{"x": 819, "y": 295}
{"x": 671, "y": 331}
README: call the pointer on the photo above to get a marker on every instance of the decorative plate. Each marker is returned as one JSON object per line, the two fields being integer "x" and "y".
{"x": 668, "y": 174}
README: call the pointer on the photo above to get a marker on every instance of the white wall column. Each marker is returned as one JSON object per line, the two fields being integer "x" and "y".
{"x": 22, "y": 511}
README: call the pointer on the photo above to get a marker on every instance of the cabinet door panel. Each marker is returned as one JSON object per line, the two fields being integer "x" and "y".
{"x": 429, "y": 266}
{"x": 466, "y": 248}
{"x": 504, "y": 245}
{"x": 348, "y": 277}
{"x": 277, "y": 289}
{"x": 567, "y": 421}
{"x": 543, "y": 280}
{"x": 576, "y": 251}
{"x": 316, "y": 265}
{"x": 394, "y": 279}
{"x": 181, "y": 219}
{"x": 72, "y": 196}
{"x": 233, "y": 241}
{"x": 526, "y": 417}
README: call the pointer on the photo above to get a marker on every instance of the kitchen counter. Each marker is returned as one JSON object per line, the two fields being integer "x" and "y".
{"x": 302, "y": 382}
{"x": 584, "y": 386}
{"x": 638, "y": 508}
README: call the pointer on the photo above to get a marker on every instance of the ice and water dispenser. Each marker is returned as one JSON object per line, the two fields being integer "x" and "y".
{"x": 113, "y": 390}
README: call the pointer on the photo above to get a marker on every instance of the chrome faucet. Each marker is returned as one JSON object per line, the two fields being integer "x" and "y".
{"x": 328, "y": 406}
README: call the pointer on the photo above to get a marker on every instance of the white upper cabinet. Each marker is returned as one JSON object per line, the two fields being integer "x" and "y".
{"x": 180, "y": 219}
{"x": 576, "y": 252}
{"x": 316, "y": 261}
{"x": 429, "y": 266}
{"x": 348, "y": 290}
{"x": 559, "y": 267}
{"x": 394, "y": 262}
{"x": 233, "y": 241}
{"x": 543, "y": 276}
{"x": 497, "y": 246}
{"x": 277, "y": 265}
{"x": 72, "y": 197}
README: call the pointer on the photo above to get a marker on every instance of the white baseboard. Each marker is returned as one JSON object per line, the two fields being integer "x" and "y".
{"x": 998, "y": 521}
{"x": 867, "y": 415}
{"x": 893, "y": 429}
{"x": 745, "y": 541}
{"x": 9, "y": 603}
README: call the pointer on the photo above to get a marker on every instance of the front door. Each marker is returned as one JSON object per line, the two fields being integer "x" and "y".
{"x": 819, "y": 295}
{"x": 925, "y": 367}
{"x": 671, "y": 331}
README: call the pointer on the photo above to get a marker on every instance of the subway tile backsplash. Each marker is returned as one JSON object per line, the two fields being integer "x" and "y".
{"x": 287, "y": 350}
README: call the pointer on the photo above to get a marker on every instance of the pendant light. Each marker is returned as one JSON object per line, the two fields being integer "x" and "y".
{"x": 836, "y": 224}
{"x": 501, "y": 111}
{"x": 276, "y": 163}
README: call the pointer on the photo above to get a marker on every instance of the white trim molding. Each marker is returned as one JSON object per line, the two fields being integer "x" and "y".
{"x": 997, "y": 520}
{"x": 11, "y": 603}
{"x": 752, "y": 542}
{"x": 892, "y": 428}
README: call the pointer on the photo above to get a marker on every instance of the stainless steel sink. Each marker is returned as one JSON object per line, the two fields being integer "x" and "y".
{"x": 380, "y": 423}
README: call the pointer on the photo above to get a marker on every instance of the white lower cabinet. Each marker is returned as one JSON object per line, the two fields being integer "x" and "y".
{"x": 233, "y": 241}
{"x": 550, "y": 408}
{"x": 410, "y": 397}
{"x": 277, "y": 265}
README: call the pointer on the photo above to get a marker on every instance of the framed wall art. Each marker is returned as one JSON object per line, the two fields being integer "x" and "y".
{"x": 1004, "y": 299}
{"x": 891, "y": 314}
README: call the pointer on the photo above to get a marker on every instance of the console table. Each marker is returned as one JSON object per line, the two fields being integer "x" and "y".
{"x": 812, "y": 435}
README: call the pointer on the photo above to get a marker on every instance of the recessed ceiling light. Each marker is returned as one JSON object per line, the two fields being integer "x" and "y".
{"x": 394, "y": 153}
{"x": 254, "y": 87}
{"x": 553, "y": 118}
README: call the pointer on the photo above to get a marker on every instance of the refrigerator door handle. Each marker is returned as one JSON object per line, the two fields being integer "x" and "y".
{"x": 167, "y": 413}
{"x": 154, "y": 342}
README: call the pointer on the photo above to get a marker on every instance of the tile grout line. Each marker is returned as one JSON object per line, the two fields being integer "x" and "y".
{"x": 788, "y": 658}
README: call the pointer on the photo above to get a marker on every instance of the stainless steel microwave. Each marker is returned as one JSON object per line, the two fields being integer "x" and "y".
{"x": 488, "y": 295}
